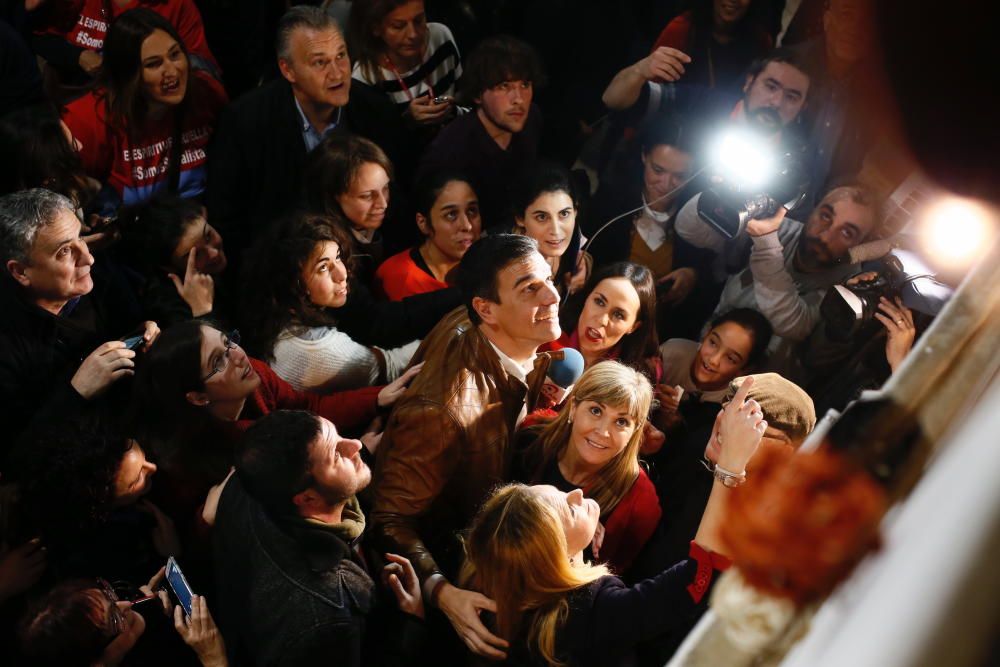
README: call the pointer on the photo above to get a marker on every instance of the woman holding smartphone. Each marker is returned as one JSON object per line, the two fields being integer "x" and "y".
{"x": 410, "y": 68}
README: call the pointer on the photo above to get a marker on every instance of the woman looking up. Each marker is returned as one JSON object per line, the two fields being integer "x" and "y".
{"x": 526, "y": 547}
{"x": 448, "y": 217}
{"x": 295, "y": 284}
{"x": 614, "y": 317}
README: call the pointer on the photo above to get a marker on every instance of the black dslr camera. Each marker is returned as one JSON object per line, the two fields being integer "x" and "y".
{"x": 751, "y": 178}
{"x": 846, "y": 309}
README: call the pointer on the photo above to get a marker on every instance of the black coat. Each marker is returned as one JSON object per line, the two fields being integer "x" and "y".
{"x": 40, "y": 352}
{"x": 607, "y": 620}
{"x": 256, "y": 161}
{"x": 285, "y": 597}
{"x": 393, "y": 323}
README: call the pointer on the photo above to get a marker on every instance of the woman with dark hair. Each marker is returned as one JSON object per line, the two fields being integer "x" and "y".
{"x": 722, "y": 37}
{"x": 412, "y": 66}
{"x": 525, "y": 551}
{"x": 705, "y": 50}
{"x": 296, "y": 280}
{"x": 632, "y": 214}
{"x": 40, "y": 152}
{"x": 177, "y": 255}
{"x": 594, "y": 445}
{"x": 545, "y": 207}
{"x": 347, "y": 177}
{"x": 196, "y": 391}
{"x": 147, "y": 126}
{"x": 614, "y": 317}
{"x": 448, "y": 217}
{"x": 82, "y": 489}
{"x": 734, "y": 344}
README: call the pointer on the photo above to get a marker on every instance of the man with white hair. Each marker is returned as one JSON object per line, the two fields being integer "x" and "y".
{"x": 260, "y": 147}
{"x": 51, "y": 349}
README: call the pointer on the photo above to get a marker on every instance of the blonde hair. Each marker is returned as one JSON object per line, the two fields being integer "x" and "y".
{"x": 517, "y": 555}
{"x": 615, "y": 385}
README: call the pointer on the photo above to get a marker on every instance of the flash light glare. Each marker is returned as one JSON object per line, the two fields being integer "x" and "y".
{"x": 745, "y": 159}
{"x": 956, "y": 231}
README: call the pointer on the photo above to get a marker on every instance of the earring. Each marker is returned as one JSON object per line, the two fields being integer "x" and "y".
{"x": 569, "y": 420}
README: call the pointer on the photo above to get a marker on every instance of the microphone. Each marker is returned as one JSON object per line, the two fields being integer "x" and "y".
{"x": 563, "y": 374}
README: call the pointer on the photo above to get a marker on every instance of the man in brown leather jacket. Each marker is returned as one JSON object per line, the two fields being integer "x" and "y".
{"x": 447, "y": 443}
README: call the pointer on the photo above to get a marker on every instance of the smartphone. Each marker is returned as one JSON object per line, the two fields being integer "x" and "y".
{"x": 179, "y": 585}
{"x": 442, "y": 99}
{"x": 133, "y": 342}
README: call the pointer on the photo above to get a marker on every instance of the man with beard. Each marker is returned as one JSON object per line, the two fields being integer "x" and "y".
{"x": 792, "y": 264}
{"x": 492, "y": 144}
{"x": 292, "y": 586}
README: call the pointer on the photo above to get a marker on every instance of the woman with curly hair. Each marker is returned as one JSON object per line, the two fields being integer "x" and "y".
{"x": 297, "y": 279}
{"x": 147, "y": 125}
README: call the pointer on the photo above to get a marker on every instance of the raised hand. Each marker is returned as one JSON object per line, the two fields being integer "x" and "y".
{"x": 399, "y": 575}
{"x": 392, "y": 391}
{"x": 197, "y": 289}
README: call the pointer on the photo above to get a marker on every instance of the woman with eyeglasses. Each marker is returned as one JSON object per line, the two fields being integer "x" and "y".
{"x": 197, "y": 390}
{"x": 84, "y": 623}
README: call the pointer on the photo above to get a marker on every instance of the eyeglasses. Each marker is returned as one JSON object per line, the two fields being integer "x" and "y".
{"x": 230, "y": 340}
{"x": 116, "y": 617}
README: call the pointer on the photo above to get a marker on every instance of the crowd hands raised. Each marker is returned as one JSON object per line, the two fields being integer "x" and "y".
{"x": 389, "y": 385}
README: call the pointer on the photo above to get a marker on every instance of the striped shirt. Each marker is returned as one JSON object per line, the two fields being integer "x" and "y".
{"x": 436, "y": 75}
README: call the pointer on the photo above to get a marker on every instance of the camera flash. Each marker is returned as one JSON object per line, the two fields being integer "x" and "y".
{"x": 956, "y": 231}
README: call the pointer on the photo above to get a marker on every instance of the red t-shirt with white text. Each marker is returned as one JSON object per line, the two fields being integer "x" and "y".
{"x": 84, "y": 23}
{"x": 137, "y": 166}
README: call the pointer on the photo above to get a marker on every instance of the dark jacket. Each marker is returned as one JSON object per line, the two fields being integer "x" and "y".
{"x": 464, "y": 144}
{"x": 287, "y": 594}
{"x": 447, "y": 444}
{"x": 40, "y": 352}
{"x": 607, "y": 620}
{"x": 256, "y": 162}
{"x": 393, "y": 323}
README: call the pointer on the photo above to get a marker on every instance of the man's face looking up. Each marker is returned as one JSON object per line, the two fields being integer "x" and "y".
{"x": 835, "y": 226}
{"x": 318, "y": 67}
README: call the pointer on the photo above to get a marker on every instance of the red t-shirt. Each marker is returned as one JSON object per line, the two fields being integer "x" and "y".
{"x": 137, "y": 169}
{"x": 84, "y": 23}
{"x": 399, "y": 277}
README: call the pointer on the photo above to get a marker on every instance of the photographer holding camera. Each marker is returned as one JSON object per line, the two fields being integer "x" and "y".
{"x": 791, "y": 264}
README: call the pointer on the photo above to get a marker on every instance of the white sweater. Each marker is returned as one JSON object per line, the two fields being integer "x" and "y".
{"x": 323, "y": 359}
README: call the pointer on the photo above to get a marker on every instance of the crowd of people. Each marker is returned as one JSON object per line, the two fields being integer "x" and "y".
{"x": 387, "y": 344}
